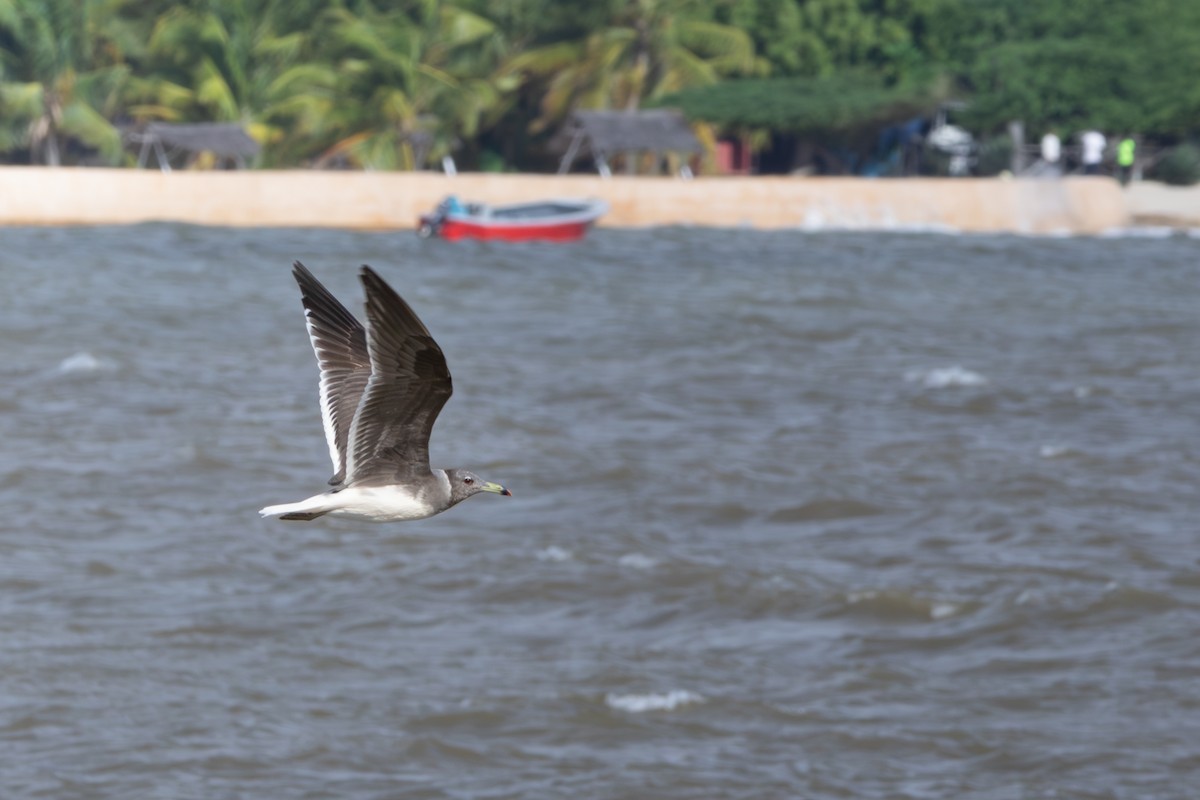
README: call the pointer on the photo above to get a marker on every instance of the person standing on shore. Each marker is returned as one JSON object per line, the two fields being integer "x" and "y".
{"x": 1092, "y": 144}
{"x": 1125, "y": 157}
{"x": 1051, "y": 154}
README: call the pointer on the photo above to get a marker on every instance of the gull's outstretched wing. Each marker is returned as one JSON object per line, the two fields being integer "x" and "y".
{"x": 409, "y": 384}
{"x": 341, "y": 347}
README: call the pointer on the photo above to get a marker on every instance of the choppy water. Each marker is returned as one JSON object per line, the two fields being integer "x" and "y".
{"x": 796, "y": 515}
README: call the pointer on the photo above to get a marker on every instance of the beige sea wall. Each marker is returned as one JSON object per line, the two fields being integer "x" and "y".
{"x": 1159, "y": 204}
{"x": 389, "y": 200}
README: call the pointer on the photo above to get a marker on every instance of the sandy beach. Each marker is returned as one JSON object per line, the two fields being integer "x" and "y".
{"x": 394, "y": 200}
{"x": 1159, "y": 204}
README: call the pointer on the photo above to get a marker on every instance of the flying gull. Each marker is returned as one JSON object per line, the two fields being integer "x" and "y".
{"x": 381, "y": 390}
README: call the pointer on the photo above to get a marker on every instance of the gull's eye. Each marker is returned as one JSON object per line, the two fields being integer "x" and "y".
{"x": 468, "y": 481}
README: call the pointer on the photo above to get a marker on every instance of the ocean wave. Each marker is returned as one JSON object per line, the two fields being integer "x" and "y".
{"x": 1140, "y": 232}
{"x": 553, "y": 553}
{"x": 945, "y": 377}
{"x": 638, "y": 703}
{"x": 81, "y": 362}
{"x": 637, "y": 561}
{"x": 900, "y": 605}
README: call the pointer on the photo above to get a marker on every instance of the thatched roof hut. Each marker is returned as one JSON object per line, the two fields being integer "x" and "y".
{"x": 227, "y": 140}
{"x": 605, "y": 133}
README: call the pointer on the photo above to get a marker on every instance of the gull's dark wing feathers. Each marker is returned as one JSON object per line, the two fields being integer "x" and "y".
{"x": 341, "y": 347}
{"x": 409, "y": 384}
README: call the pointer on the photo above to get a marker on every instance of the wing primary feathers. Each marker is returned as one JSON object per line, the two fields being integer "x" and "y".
{"x": 409, "y": 384}
{"x": 340, "y": 345}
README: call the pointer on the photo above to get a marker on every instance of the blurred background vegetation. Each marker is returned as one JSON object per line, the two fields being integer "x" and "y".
{"x": 345, "y": 83}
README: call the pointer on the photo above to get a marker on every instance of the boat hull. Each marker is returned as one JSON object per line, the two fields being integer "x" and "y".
{"x": 547, "y": 221}
{"x": 453, "y": 230}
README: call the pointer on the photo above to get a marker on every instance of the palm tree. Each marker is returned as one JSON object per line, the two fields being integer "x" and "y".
{"x": 649, "y": 49}
{"x": 224, "y": 61}
{"x": 62, "y": 67}
{"x": 325, "y": 81}
{"x": 386, "y": 80}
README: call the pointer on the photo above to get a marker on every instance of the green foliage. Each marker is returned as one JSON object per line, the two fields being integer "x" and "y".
{"x": 1077, "y": 64}
{"x": 812, "y": 106}
{"x": 62, "y": 70}
{"x": 432, "y": 75}
{"x": 533, "y": 23}
{"x": 995, "y": 156}
{"x": 812, "y": 38}
{"x": 1074, "y": 84}
{"x": 353, "y": 82}
{"x": 645, "y": 49}
{"x": 1179, "y": 167}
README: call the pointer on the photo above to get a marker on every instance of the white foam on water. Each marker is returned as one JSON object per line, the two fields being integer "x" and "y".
{"x": 637, "y": 561}
{"x": 1139, "y": 232}
{"x": 553, "y": 553}
{"x": 945, "y": 377}
{"x": 638, "y": 703}
{"x": 869, "y": 219}
{"x": 1054, "y": 451}
{"x": 942, "y": 610}
{"x": 1029, "y": 596}
{"x": 82, "y": 361}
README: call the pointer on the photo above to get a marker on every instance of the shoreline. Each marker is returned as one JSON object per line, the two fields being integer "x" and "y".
{"x": 394, "y": 200}
{"x": 1159, "y": 205}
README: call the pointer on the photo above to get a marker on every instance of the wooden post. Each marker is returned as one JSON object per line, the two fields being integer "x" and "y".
{"x": 572, "y": 151}
{"x": 1016, "y": 132}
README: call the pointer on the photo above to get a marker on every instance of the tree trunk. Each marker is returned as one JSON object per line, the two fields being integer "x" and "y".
{"x": 802, "y": 156}
{"x": 51, "y": 150}
{"x": 637, "y": 84}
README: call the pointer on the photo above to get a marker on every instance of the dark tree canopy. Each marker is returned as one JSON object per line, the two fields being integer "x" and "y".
{"x": 809, "y": 106}
{"x": 1078, "y": 63}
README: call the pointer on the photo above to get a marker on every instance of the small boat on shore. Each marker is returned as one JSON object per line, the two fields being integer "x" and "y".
{"x": 545, "y": 220}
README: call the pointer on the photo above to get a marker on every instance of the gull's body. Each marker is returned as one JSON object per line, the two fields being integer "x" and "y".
{"x": 381, "y": 389}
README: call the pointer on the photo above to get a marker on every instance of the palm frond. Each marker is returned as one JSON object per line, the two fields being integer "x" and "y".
{"x": 728, "y": 49}
{"x": 214, "y": 91}
{"x": 84, "y": 123}
{"x": 545, "y": 60}
{"x": 21, "y": 100}
{"x": 458, "y": 27}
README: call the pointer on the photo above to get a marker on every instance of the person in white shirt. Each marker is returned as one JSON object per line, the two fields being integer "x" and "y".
{"x": 1093, "y": 144}
{"x": 1051, "y": 153}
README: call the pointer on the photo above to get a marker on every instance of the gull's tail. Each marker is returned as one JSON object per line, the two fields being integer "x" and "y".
{"x": 305, "y": 510}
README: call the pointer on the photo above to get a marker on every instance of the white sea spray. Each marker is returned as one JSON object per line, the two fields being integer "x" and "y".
{"x": 945, "y": 377}
{"x": 638, "y": 703}
{"x": 80, "y": 362}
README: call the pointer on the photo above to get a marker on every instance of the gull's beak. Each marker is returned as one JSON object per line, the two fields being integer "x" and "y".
{"x": 495, "y": 488}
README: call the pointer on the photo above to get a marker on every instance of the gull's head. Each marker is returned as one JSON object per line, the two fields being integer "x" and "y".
{"x": 464, "y": 483}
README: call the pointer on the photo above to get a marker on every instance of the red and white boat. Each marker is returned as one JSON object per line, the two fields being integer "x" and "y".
{"x": 545, "y": 220}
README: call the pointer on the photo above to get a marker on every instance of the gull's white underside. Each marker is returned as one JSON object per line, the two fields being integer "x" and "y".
{"x": 371, "y": 503}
